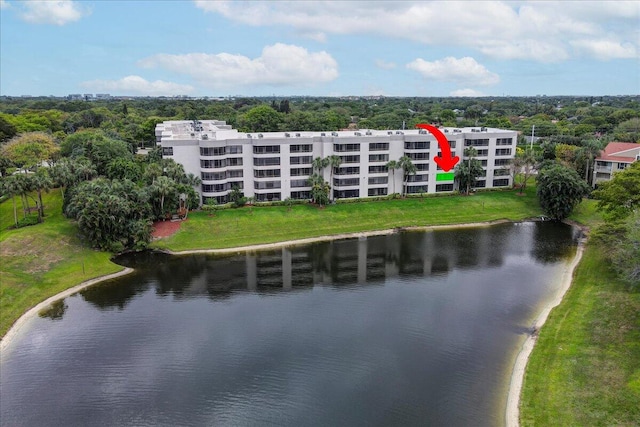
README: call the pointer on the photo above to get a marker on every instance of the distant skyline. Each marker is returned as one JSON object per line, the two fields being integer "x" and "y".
{"x": 335, "y": 48}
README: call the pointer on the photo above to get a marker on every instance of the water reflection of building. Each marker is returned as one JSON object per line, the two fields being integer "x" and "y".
{"x": 338, "y": 263}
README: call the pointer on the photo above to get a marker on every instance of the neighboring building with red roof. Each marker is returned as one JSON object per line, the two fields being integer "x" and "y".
{"x": 615, "y": 157}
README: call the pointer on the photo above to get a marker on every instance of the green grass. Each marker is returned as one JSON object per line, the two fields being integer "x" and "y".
{"x": 585, "y": 367}
{"x": 41, "y": 260}
{"x": 247, "y": 226}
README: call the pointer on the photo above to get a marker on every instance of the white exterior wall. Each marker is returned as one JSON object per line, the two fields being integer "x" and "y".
{"x": 186, "y": 146}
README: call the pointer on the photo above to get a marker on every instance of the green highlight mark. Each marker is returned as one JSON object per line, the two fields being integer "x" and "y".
{"x": 449, "y": 176}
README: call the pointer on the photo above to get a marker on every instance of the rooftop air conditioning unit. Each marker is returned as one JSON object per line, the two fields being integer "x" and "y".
{"x": 424, "y": 132}
{"x": 260, "y": 135}
{"x": 483, "y": 129}
{"x": 357, "y": 134}
{"x": 399, "y": 132}
{"x": 249, "y": 135}
{"x": 323, "y": 134}
{"x": 286, "y": 134}
{"x": 298, "y": 134}
{"x": 334, "y": 133}
{"x": 446, "y": 131}
{"x": 205, "y": 136}
{"x": 369, "y": 132}
{"x": 389, "y": 133}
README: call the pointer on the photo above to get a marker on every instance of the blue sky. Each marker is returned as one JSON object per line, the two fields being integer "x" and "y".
{"x": 336, "y": 48}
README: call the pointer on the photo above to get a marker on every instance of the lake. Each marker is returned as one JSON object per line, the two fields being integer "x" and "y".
{"x": 411, "y": 328}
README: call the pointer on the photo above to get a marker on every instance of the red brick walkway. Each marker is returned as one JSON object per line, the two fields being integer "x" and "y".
{"x": 165, "y": 228}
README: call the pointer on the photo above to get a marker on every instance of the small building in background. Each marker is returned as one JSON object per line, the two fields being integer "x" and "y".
{"x": 617, "y": 156}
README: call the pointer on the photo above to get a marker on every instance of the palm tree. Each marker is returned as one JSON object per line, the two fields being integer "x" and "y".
{"x": 408, "y": 168}
{"x": 11, "y": 187}
{"x": 333, "y": 161}
{"x": 318, "y": 164}
{"x": 319, "y": 189}
{"x": 163, "y": 186}
{"x": 392, "y": 165}
{"x": 41, "y": 181}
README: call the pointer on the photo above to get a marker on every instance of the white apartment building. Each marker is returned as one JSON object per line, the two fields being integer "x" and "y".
{"x": 271, "y": 166}
{"x": 614, "y": 158}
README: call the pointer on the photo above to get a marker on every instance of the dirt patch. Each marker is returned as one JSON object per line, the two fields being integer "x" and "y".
{"x": 165, "y": 228}
{"x": 31, "y": 254}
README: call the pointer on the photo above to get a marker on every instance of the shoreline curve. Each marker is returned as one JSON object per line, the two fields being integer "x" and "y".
{"x": 331, "y": 237}
{"x": 33, "y": 311}
{"x": 512, "y": 415}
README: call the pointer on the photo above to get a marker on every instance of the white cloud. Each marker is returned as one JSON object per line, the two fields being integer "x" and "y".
{"x": 4, "y": 4}
{"x": 278, "y": 65}
{"x": 385, "y": 65}
{"x": 466, "y": 92}
{"x": 540, "y": 31}
{"x": 136, "y": 85}
{"x": 464, "y": 71}
{"x": 605, "y": 49}
{"x": 59, "y": 12}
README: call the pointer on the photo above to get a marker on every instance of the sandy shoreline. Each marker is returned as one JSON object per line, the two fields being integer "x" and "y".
{"x": 517, "y": 375}
{"x": 33, "y": 311}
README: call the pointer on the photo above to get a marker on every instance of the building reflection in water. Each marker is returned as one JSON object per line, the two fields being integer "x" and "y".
{"x": 338, "y": 264}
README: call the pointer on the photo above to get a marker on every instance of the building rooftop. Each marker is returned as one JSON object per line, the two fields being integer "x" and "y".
{"x": 216, "y": 129}
{"x": 620, "y": 152}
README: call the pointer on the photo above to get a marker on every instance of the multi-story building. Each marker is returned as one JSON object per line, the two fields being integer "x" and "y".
{"x": 615, "y": 157}
{"x": 273, "y": 166}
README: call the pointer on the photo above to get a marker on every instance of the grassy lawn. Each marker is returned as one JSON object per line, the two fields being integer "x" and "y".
{"x": 246, "y": 226}
{"x": 41, "y": 260}
{"x": 585, "y": 367}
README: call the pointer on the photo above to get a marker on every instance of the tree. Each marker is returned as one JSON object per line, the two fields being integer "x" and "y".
{"x": 523, "y": 162}
{"x": 586, "y": 154}
{"x": 319, "y": 189}
{"x": 408, "y": 168}
{"x": 30, "y": 150}
{"x": 469, "y": 170}
{"x": 620, "y": 196}
{"x": 392, "y": 165}
{"x": 334, "y": 161}
{"x": 237, "y": 197}
{"x": 112, "y": 214}
{"x": 163, "y": 187}
{"x": 41, "y": 181}
{"x": 262, "y": 118}
{"x": 560, "y": 190}
{"x": 11, "y": 187}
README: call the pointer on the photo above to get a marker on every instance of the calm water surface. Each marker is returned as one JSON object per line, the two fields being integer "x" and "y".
{"x": 407, "y": 329}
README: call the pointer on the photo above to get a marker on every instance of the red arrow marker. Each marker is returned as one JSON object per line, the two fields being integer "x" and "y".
{"x": 445, "y": 161}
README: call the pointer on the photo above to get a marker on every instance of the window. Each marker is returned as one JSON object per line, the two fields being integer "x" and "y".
{"x": 416, "y": 145}
{"x": 504, "y": 141}
{"x": 378, "y": 157}
{"x": 452, "y": 144}
{"x": 301, "y": 160}
{"x": 234, "y": 149}
{"x": 350, "y": 159}
{"x": 622, "y": 166}
{"x": 483, "y": 153}
{"x": 481, "y": 183}
{"x": 417, "y": 189}
{"x": 207, "y": 151}
{"x": 167, "y": 151}
{"x": 347, "y": 171}
{"x": 500, "y": 182}
{"x": 300, "y": 171}
{"x": 300, "y": 195}
{"x": 476, "y": 142}
{"x": 378, "y": 180}
{"x": 418, "y": 178}
{"x": 377, "y": 192}
{"x": 418, "y": 156}
{"x": 444, "y": 187}
{"x": 378, "y": 146}
{"x": 266, "y": 149}
{"x": 234, "y": 173}
{"x": 210, "y": 164}
{"x": 346, "y": 194}
{"x": 503, "y": 151}
{"x": 266, "y": 161}
{"x": 502, "y": 162}
{"x": 297, "y": 183}
{"x": 501, "y": 172}
{"x": 212, "y": 176}
{"x": 422, "y": 167}
{"x": 346, "y": 182}
{"x": 264, "y": 185}
{"x": 234, "y": 161}
{"x": 268, "y": 197}
{"x": 301, "y": 148}
{"x": 378, "y": 169}
{"x": 267, "y": 173}
{"x": 483, "y": 163}
{"x": 340, "y": 148}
